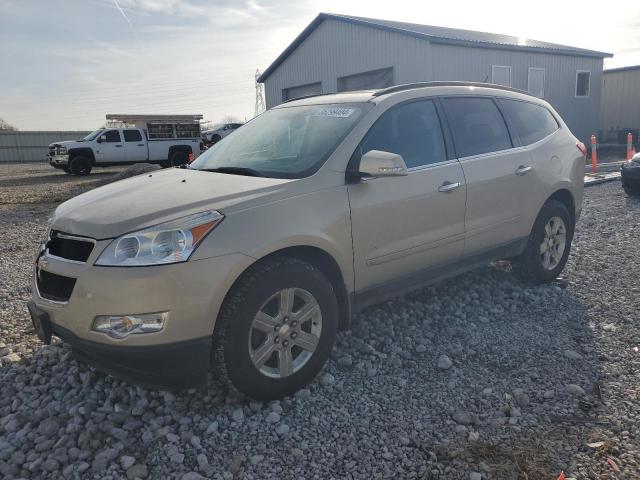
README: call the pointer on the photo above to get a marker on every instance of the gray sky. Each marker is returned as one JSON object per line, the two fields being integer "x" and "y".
{"x": 66, "y": 63}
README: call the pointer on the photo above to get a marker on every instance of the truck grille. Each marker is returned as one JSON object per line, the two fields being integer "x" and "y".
{"x": 54, "y": 287}
{"x": 69, "y": 247}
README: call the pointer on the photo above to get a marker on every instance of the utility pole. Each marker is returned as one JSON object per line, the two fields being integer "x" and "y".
{"x": 260, "y": 107}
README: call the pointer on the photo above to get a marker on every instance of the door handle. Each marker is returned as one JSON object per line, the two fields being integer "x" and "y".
{"x": 141, "y": 144}
{"x": 118, "y": 146}
{"x": 523, "y": 170}
{"x": 448, "y": 186}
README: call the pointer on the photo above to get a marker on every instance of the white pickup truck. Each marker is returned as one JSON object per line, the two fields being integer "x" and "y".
{"x": 168, "y": 140}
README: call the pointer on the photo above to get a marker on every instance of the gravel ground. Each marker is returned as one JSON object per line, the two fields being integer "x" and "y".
{"x": 481, "y": 377}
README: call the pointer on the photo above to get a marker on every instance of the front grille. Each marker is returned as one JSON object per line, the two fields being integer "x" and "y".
{"x": 54, "y": 287}
{"x": 68, "y": 247}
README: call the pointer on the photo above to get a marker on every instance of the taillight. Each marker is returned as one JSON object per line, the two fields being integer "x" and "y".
{"x": 582, "y": 148}
{"x": 201, "y": 146}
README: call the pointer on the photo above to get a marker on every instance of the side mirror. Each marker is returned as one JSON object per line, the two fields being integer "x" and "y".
{"x": 376, "y": 163}
{"x": 102, "y": 138}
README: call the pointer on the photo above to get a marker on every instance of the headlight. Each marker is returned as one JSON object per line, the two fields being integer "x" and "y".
{"x": 170, "y": 242}
{"x": 62, "y": 150}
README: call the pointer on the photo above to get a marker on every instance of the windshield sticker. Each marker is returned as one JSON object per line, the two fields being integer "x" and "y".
{"x": 336, "y": 112}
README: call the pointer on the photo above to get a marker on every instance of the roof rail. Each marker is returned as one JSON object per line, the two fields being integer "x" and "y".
{"x": 309, "y": 96}
{"x": 409, "y": 86}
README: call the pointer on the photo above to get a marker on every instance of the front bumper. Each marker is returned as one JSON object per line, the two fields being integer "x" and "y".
{"x": 59, "y": 161}
{"x": 173, "y": 366}
{"x": 192, "y": 292}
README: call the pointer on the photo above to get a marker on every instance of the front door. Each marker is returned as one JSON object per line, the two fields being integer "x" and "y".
{"x": 111, "y": 150}
{"x": 404, "y": 226}
{"x": 135, "y": 148}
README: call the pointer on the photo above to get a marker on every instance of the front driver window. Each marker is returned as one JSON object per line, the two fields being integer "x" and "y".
{"x": 113, "y": 136}
{"x": 411, "y": 130}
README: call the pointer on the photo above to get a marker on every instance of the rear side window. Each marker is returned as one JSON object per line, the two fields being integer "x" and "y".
{"x": 411, "y": 130}
{"x": 477, "y": 126}
{"x": 132, "y": 136}
{"x": 113, "y": 136}
{"x": 531, "y": 122}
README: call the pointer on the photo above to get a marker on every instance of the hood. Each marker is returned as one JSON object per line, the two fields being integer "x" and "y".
{"x": 67, "y": 143}
{"x": 149, "y": 199}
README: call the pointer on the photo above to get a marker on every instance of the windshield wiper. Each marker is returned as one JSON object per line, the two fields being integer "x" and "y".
{"x": 250, "y": 172}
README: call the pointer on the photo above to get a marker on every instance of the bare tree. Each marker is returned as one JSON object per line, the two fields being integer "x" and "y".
{"x": 231, "y": 119}
{"x": 4, "y": 126}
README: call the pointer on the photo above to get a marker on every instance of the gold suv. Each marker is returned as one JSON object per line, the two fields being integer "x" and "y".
{"x": 250, "y": 260}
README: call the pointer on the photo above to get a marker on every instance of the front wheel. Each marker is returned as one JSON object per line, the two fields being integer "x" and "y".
{"x": 549, "y": 244}
{"x": 276, "y": 329}
{"x": 80, "y": 166}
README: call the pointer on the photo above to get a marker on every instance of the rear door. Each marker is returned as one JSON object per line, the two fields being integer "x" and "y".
{"x": 498, "y": 176}
{"x": 402, "y": 226}
{"x": 112, "y": 149}
{"x": 135, "y": 146}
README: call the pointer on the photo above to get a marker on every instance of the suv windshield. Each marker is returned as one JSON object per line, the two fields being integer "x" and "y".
{"x": 287, "y": 142}
{"x": 92, "y": 135}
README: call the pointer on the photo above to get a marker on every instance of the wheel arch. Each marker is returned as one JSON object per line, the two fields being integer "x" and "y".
{"x": 74, "y": 152}
{"x": 324, "y": 262}
{"x": 564, "y": 196}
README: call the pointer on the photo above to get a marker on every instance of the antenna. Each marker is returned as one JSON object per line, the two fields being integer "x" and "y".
{"x": 260, "y": 107}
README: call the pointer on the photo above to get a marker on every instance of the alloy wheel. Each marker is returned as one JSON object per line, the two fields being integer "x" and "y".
{"x": 285, "y": 332}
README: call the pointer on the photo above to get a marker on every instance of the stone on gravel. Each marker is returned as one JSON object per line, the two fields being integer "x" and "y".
{"x": 463, "y": 417}
{"x": 127, "y": 462}
{"x": 137, "y": 471}
{"x": 574, "y": 389}
{"x": 444, "y": 362}
{"x": 327, "y": 379}
{"x": 273, "y": 417}
{"x": 572, "y": 354}
{"x": 475, "y": 476}
{"x": 282, "y": 429}
{"x": 345, "y": 361}
{"x": 102, "y": 459}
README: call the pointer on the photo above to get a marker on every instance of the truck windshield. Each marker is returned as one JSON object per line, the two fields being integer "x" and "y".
{"x": 92, "y": 135}
{"x": 287, "y": 142}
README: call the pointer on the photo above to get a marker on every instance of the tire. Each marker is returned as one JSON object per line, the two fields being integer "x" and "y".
{"x": 238, "y": 343}
{"x": 178, "y": 158}
{"x": 215, "y": 139}
{"x": 80, "y": 166}
{"x": 535, "y": 266}
{"x": 631, "y": 192}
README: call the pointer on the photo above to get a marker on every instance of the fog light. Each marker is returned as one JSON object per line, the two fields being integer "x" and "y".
{"x": 121, "y": 326}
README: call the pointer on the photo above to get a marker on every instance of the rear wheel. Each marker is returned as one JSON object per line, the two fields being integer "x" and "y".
{"x": 276, "y": 330}
{"x": 80, "y": 165}
{"x": 549, "y": 244}
{"x": 178, "y": 158}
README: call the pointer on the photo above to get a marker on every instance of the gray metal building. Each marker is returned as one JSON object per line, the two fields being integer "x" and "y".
{"x": 340, "y": 53}
{"x": 620, "y": 111}
{"x": 31, "y": 146}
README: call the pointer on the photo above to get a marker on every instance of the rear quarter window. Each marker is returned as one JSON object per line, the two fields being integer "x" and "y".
{"x": 477, "y": 125}
{"x": 531, "y": 122}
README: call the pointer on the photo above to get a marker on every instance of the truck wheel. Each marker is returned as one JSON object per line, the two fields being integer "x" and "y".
{"x": 549, "y": 243}
{"x": 80, "y": 165}
{"x": 276, "y": 329}
{"x": 178, "y": 158}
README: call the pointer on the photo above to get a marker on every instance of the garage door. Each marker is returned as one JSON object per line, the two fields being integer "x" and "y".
{"x": 301, "y": 91}
{"x": 372, "y": 80}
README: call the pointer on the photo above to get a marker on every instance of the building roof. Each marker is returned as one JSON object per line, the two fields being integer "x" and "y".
{"x": 623, "y": 69}
{"x": 437, "y": 35}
